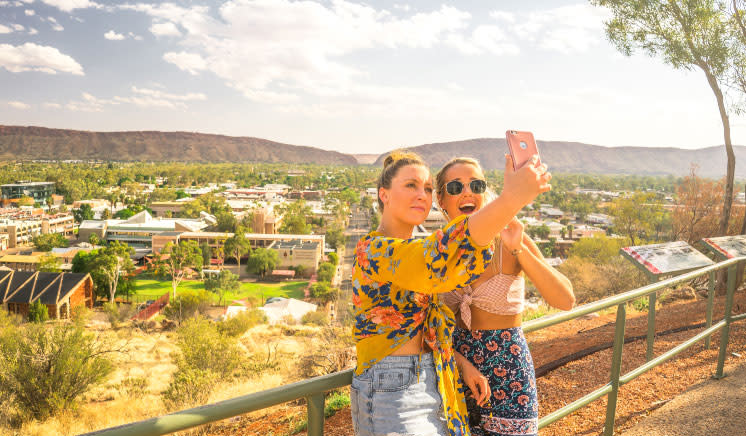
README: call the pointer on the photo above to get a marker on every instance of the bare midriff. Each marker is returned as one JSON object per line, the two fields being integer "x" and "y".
{"x": 412, "y": 346}
{"x": 483, "y": 320}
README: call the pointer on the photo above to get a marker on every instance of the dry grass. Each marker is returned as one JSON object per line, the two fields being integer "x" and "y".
{"x": 148, "y": 356}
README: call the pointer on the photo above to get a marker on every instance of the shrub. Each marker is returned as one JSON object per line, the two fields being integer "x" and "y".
{"x": 203, "y": 347}
{"x": 187, "y": 305}
{"x": 66, "y": 362}
{"x": 323, "y": 292}
{"x": 333, "y": 258}
{"x": 189, "y": 386}
{"x": 205, "y": 357}
{"x": 336, "y": 402}
{"x": 318, "y": 317}
{"x": 133, "y": 386}
{"x": 38, "y": 312}
{"x": 334, "y": 352}
{"x": 239, "y": 324}
{"x": 119, "y": 313}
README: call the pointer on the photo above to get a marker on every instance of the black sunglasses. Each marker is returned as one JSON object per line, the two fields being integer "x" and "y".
{"x": 455, "y": 187}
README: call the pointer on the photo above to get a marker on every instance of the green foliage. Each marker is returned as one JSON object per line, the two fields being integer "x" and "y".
{"x": 66, "y": 363}
{"x": 598, "y": 249}
{"x": 109, "y": 264}
{"x": 295, "y": 217}
{"x": 318, "y": 318}
{"x": 326, "y": 271}
{"x": 205, "y": 357}
{"x": 83, "y": 213}
{"x": 175, "y": 261}
{"x": 49, "y": 241}
{"x": 261, "y": 261}
{"x": 335, "y": 237}
{"x": 336, "y": 402}
{"x": 38, "y": 312}
{"x": 237, "y": 245}
{"x": 634, "y": 216}
{"x": 540, "y": 232}
{"x": 239, "y": 324}
{"x": 188, "y": 304}
{"x": 333, "y": 258}
{"x": 49, "y": 263}
{"x": 206, "y": 253}
{"x": 210, "y": 203}
{"x": 641, "y": 304}
{"x": 223, "y": 282}
{"x": 323, "y": 292}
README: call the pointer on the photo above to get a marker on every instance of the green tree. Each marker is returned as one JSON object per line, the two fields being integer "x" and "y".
{"x": 93, "y": 239}
{"x": 237, "y": 245}
{"x": 325, "y": 272}
{"x": 333, "y": 258}
{"x": 687, "y": 34}
{"x": 83, "y": 213}
{"x": 111, "y": 263}
{"x": 222, "y": 283}
{"x": 295, "y": 218}
{"x": 206, "y": 253}
{"x": 262, "y": 260}
{"x": 599, "y": 249}
{"x": 335, "y": 236}
{"x": 49, "y": 241}
{"x": 323, "y": 292}
{"x": 634, "y": 216}
{"x": 175, "y": 261}
{"x": 37, "y": 312}
{"x": 49, "y": 263}
{"x": 226, "y": 222}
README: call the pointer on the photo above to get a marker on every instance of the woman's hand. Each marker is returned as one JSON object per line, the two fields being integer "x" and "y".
{"x": 512, "y": 235}
{"x": 477, "y": 383}
{"x": 527, "y": 182}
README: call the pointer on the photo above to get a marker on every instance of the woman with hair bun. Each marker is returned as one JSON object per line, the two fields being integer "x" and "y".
{"x": 488, "y": 332}
{"x": 407, "y": 380}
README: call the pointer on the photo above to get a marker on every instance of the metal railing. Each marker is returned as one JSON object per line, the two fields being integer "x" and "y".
{"x": 313, "y": 389}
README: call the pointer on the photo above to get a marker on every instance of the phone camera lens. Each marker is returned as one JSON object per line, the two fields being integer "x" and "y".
{"x": 523, "y": 145}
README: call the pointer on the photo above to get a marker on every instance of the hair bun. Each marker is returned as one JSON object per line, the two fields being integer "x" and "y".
{"x": 397, "y": 155}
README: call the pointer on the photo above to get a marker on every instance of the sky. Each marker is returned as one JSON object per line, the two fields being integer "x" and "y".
{"x": 344, "y": 75}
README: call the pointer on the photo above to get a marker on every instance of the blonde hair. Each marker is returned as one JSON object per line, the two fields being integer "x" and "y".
{"x": 391, "y": 166}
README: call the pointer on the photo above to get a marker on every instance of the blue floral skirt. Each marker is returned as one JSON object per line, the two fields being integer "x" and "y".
{"x": 504, "y": 358}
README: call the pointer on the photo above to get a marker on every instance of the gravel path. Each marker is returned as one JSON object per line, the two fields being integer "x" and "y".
{"x": 713, "y": 407}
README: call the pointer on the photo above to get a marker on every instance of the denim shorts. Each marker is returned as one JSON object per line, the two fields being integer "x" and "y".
{"x": 388, "y": 398}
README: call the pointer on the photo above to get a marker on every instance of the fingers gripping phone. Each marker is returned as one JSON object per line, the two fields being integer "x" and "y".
{"x": 521, "y": 146}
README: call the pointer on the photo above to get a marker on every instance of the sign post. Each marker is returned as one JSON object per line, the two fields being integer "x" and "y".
{"x": 724, "y": 248}
{"x": 659, "y": 261}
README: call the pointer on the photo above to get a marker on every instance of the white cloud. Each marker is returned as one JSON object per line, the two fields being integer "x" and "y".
{"x": 113, "y": 36}
{"x": 18, "y": 105}
{"x": 293, "y": 47}
{"x": 142, "y": 97}
{"x": 566, "y": 29}
{"x": 165, "y": 29}
{"x": 55, "y": 25}
{"x": 32, "y": 31}
{"x": 50, "y": 105}
{"x": 135, "y": 37}
{"x": 18, "y": 27}
{"x": 5, "y": 29}
{"x": 190, "y": 62}
{"x": 71, "y": 5}
{"x": 30, "y": 12}
{"x": 33, "y": 57}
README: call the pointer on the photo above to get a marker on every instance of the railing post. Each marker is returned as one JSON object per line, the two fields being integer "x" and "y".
{"x": 710, "y": 304}
{"x": 315, "y": 405}
{"x": 651, "y": 326}
{"x": 616, "y": 368}
{"x": 726, "y": 328}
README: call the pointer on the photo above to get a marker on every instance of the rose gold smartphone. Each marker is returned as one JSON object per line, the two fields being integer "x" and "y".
{"x": 521, "y": 146}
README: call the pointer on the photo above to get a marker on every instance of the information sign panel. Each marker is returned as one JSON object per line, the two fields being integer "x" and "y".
{"x": 727, "y": 247}
{"x": 667, "y": 258}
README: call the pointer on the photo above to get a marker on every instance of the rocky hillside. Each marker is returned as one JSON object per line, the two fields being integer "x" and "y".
{"x": 577, "y": 157}
{"x": 18, "y": 142}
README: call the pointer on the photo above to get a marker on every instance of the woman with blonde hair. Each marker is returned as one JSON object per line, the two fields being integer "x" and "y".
{"x": 406, "y": 381}
{"x": 488, "y": 310}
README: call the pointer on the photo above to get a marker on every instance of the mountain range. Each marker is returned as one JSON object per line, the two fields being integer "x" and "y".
{"x": 24, "y": 143}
